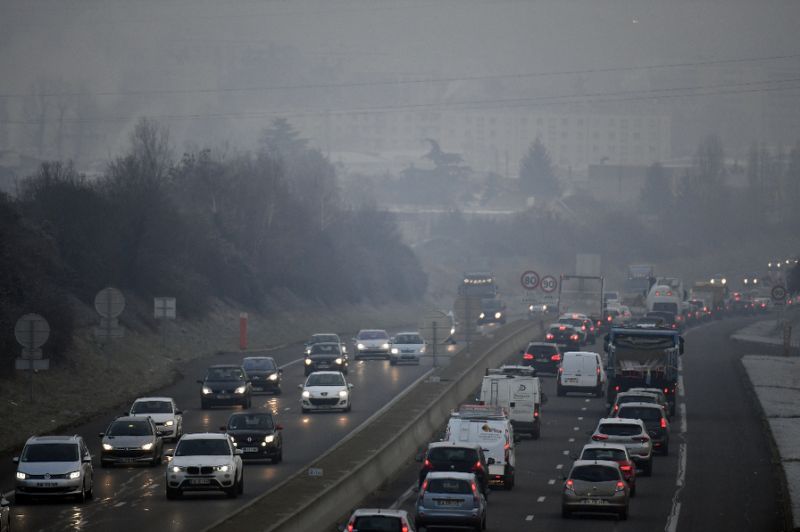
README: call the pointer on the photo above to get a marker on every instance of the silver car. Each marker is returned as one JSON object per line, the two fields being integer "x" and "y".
{"x": 595, "y": 486}
{"x": 131, "y": 440}
{"x": 450, "y": 499}
{"x": 371, "y": 343}
{"x": 631, "y": 433}
{"x": 406, "y": 347}
{"x": 54, "y": 466}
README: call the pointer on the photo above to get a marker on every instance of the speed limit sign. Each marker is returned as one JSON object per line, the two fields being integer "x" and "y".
{"x": 549, "y": 283}
{"x": 529, "y": 280}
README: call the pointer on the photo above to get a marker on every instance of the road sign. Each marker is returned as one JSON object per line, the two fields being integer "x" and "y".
{"x": 529, "y": 280}
{"x": 549, "y": 283}
{"x": 32, "y": 331}
{"x": 778, "y": 294}
{"x": 164, "y": 308}
{"x": 109, "y": 302}
{"x": 32, "y": 364}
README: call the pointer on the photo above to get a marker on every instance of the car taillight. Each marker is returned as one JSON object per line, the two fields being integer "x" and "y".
{"x": 569, "y": 484}
{"x": 549, "y": 336}
{"x": 404, "y": 529}
{"x": 625, "y": 467}
{"x": 536, "y": 412}
{"x": 641, "y": 439}
{"x": 350, "y": 526}
{"x": 599, "y": 437}
{"x": 666, "y": 391}
{"x": 478, "y": 466}
{"x": 583, "y": 327}
{"x": 616, "y": 407}
{"x": 427, "y": 464}
{"x": 562, "y": 328}
{"x": 616, "y": 388}
{"x": 561, "y": 370}
{"x": 555, "y": 358}
{"x": 573, "y": 337}
{"x": 598, "y": 370}
{"x": 527, "y": 356}
{"x": 663, "y": 423}
{"x": 620, "y": 486}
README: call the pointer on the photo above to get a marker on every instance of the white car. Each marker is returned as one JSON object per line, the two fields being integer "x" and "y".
{"x": 54, "y": 466}
{"x": 325, "y": 390}
{"x": 205, "y": 462}
{"x": 406, "y": 347}
{"x": 164, "y": 413}
{"x": 371, "y": 343}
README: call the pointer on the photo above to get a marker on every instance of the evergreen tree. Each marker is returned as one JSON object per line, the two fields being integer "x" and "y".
{"x": 656, "y": 194}
{"x": 536, "y": 174}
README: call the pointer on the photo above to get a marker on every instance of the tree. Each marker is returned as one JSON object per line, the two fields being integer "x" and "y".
{"x": 280, "y": 140}
{"x": 656, "y": 194}
{"x": 536, "y": 174}
{"x": 792, "y": 198}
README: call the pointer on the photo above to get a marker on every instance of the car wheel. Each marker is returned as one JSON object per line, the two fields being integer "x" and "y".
{"x": 104, "y": 464}
{"x": 82, "y": 495}
{"x": 173, "y": 493}
{"x": 279, "y": 457}
{"x": 349, "y": 407}
{"x": 648, "y": 468}
{"x": 304, "y": 410}
{"x": 240, "y": 489}
{"x": 19, "y": 498}
{"x": 566, "y": 514}
{"x": 278, "y": 391}
{"x": 90, "y": 493}
{"x": 623, "y": 514}
{"x": 156, "y": 460}
{"x": 559, "y": 390}
{"x": 204, "y": 405}
{"x": 633, "y": 490}
{"x": 665, "y": 448}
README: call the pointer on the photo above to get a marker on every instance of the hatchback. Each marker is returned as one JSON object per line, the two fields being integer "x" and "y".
{"x": 450, "y": 499}
{"x": 378, "y": 520}
{"x": 595, "y": 486}
{"x": 613, "y": 452}
{"x": 542, "y": 356}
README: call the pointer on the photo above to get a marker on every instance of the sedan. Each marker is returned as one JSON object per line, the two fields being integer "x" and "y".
{"x": 406, "y": 347}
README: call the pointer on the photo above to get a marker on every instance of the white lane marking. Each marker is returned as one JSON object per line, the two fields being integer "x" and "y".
{"x": 559, "y": 466}
{"x": 576, "y": 428}
{"x": 551, "y": 481}
{"x": 541, "y": 499}
{"x": 681, "y": 466}
{"x": 529, "y": 518}
{"x": 293, "y": 362}
{"x": 402, "y": 499}
{"x": 588, "y": 400}
{"x": 153, "y": 486}
{"x": 119, "y": 504}
{"x": 675, "y": 513}
{"x": 287, "y": 408}
{"x": 565, "y": 453}
{"x": 684, "y": 423}
{"x": 680, "y": 364}
{"x": 583, "y": 408}
{"x": 680, "y": 385}
{"x": 572, "y": 440}
{"x": 580, "y": 418}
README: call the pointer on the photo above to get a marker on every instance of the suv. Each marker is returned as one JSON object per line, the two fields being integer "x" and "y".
{"x": 595, "y": 486}
{"x": 566, "y": 335}
{"x": 449, "y": 456}
{"x": 264, "y": 374}
{"x": 372, "y": 342}
{"x": 256, "y": 435}
{"x": 542, "y": 356}
{"x": 324, "y": 357}
{"x": 631, "y": 433}
{"x": 164, "y": 413}
{"x": 205, "y": 462}
{"x": 448, "y": 498}
{"x": 131, "y": 440}
{"x": 378, "y": 520}
{"x": 654, "y": 418}
{"x": 632, "y": 397}
{"x": 54, "y": 466}
{"x": 225, "y": 384}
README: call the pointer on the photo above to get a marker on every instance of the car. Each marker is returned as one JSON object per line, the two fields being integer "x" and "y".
{"x": 465, "y": 457}
{"x": 580, "y": 323}
{"x": 655, "y": 419}
{"x": 206, "y": 461}
{"x": 652, "y": 322}
{"x": 537, "y": 310}
{"x": 264, "y": 373}
{"x": 406, "y": 347}
{"x": 5, "y": 515}
{"x": 324, "y": 357}
{"x": 326, "y": 338}
{"x": 566, "y": 335}
{"x": 632, "y": 433}
{"x": 493, "y": 310}
{"x": 449, "y": 498}
{"x": 54, "y": 466}
{"x": 542, "y": 356}
{"x": 256, "y": 434}
{"x": 659, "y": 393}
{"x": 225, "y": 384}
{"x": 371, "y": 343}
{"x": 326, "y": 390}
{"x": 378, "y": 520}
{"x": 131, "y": 440}
{"x": 613, "y": 452}
{"x": 595, "y": 486}
{"x": 164, "y": 413}
{"x": 762, "y": 304}
{"x": 634, "y": 397}
{"x": 581, "y": 371}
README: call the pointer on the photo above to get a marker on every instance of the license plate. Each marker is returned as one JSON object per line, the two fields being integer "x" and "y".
{"x": 250, "y": 449}
{"x": 447, "y": 502}
{"x": 594, "y": 501}
{"x": 46, "y": 484}
{"x": 126, "y": 460}
{"x": 223, "y": 396}
{"x": 200, "y": 481}
{"x": 570, "y": 379}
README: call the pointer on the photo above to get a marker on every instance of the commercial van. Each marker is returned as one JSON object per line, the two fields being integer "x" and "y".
{"x": 581, "y": 371}
{"x": 490, "y": 427}
{"x": 519, "y": 393}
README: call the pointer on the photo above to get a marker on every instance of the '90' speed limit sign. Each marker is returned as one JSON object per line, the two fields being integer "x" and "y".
{"x": 530, "y": 280}
{"x": 549, "y": 283}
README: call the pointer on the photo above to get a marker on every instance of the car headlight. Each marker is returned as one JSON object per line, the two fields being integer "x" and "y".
{"x": 269, "y": 438}
{"x": 107, "y": 447}
{"x": 21, "y": 476}
{"x": 481, "y": 315}
{"x": 308, "y": 351}
{"x": 176, "y": 469}
{"x": 361, "y": 347}
{"x": 339, "y": 361}
{"x": 306, "y": 394}
{"x": 422, "y": 349}
{"x": 452, "y": 331}
{"x": 206, "y": 390}
{"x": 497, "y": 315}
{"x": 169, "y": 423}
{"x": 273, "y": 377}
{"x": 74, "y": 475}
{"x": 147, "y": 446}
{"x": 307, "y": 361}
{"x": 344, "y": 349}
{"x": 395, "y": 351}
{"x": 343, "y": 394}
{"x": 222, "y": 468}
{"x": 240, "y": 389}
{"x": 385, "y": 346}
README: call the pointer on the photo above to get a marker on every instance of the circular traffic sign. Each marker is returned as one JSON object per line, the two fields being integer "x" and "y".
{"x": 109, "y": 302}
{"x": 529, "y": 280}
{"x": 778, "y": 293}
{"x": 31, "y": 331}
{"x": 549, "y": 283}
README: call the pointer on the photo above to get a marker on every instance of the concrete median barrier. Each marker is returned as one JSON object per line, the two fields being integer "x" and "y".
{"x": 374, "y": 453}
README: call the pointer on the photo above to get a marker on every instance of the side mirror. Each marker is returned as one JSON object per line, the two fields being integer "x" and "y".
{"x": 419, "y": 457}
{"x": 490, "y": 461}
{"x": 101, "y": 434}
{"x": 573, "y": 456}
{"x": 350, "y": 385}
{"x": 87, "y": 459}
{"x": 280, "y": 372}
{"x": 4, "y": 503}
{"x": 564, "y": 478}
{"x": 300, "y": 386}
{"x": 223, "y": 428}
{"x": 521, "y": 351}
{"x": 179, "y": 412}
{"x": 169, "y": 452}
{"x": 15, "y": 459}
{"x": 278, "y": 427}
{"x": 517, "y": 438}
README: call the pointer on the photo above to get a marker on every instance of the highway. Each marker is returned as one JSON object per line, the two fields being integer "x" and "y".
{"x": 718, "y": 476}
{"x": 132, "y": 498}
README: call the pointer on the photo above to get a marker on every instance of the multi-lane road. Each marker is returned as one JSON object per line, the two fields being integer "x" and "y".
{"x": 132, "y": 498}
{"x": 718, "y": 476}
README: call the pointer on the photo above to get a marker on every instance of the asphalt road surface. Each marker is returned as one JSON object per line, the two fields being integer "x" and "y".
{"x": 718, "y": 476}
{"x": 133, "y": 499}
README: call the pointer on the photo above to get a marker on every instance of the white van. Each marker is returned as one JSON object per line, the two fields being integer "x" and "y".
{"x": 581, "y": 371}
{"x": 519, "y": 393}
{"x": 490, "y": 427}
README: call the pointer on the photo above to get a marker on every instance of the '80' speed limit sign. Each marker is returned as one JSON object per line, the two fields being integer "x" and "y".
{"x": 529, "y": 280}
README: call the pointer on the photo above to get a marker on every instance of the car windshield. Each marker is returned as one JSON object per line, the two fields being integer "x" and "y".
{"x": 373, "y": 335}
{"x": 571, "y": 321}
{"x": 453, "y": 454}
{"x": 541, "y": 349}
{"x": 250, "y": 421}
{"x": 614, "y": 455}
{"x": 378, "y": 523}
{"x": 258, "y": 364}
{"x": 618, "y": 429}
{"x": 325, "y": 379}
{"x": 50, "y": 452}
{"x": 594, "y": 473}
{"x": 636, "y": 399}
{"x": 323, "y": 338}
{"x": 407, "y": 339}
{"x": 564, "y": 327}
{"x": 640, "y": 412}
{"x": 129, "y": 428}
{"x": 449, "y": 485}
{"x": 151, "y": 407}
{"x": 225, "y": 374}
{"x": 667, "y": 307}
{"x": 198, "y": 447}
{"x": 491, "y": 304}
{"x": 325, "y": 349}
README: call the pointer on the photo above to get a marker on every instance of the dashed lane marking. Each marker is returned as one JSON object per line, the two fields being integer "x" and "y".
{"x": 529, "y": 518}
{"x": 580, "y": 418}
{"x": 541, "y": 499}
{"x": 684, "y": 423}
{"x": 572, "y": 440}
{"x": 588, "y": 400}
{"x": 559, "y": 466}
{"x": 583, "y": 408}
{"x": 551, "y": 481}
{"x": 565, "y": 453}
{"x": 576, "y": 428}
{"x": 119, "y": 504}
{"x": 680, "y": 386}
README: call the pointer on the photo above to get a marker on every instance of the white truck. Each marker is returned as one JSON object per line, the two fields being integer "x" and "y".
{"x": 515, "y": 389}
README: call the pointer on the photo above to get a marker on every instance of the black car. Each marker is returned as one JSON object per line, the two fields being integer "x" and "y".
{"x": 655, "y": 421}
{"x": 566, "y": 335}
{"x": 542, "y": 356}
{"x": 265, "y": 376}
{"x": 325, "y": 357}
{"x": 225, "y": 384}
{"x": 460, "y": 457}
{"x": 326, "y": 338}
{"x": 256, "y": 434}
{"x": 492, "y": 311}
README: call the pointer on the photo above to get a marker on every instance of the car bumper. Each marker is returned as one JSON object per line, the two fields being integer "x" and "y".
{"x": 613, "y": 503}
{"x": 545, "y": 366}
{"x": 216, "y": 399}
{"x": 405, "y": 358}
{"x": 308, "y": 405}
{"x": 372, "y": 352}
{"x": 525, "y": 427}
{"x": 256, "y": 452}
{"x": 434, "y": 517}
{"x": 325, "y": 367}
{"x": 111, "y": 457}
{"x": 200, "y": 483}
{"x": 577, "y": 387}
{"x": 49, "y": 487}
{"x": 265, "y": 385}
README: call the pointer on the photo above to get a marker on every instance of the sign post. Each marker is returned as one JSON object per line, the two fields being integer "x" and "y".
{"x": 164, "y": 308}
{"x": 787, "y": 339}
{"x": 31, "y": 332}
{"x": 433, "y": 325}
{"x": 109, "y": 303}
{"x": 243, "y": 331}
